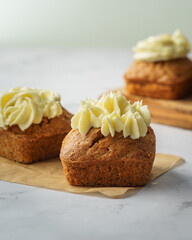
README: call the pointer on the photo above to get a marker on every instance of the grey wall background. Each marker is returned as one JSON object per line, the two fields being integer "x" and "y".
{"x": 90, "y": 23}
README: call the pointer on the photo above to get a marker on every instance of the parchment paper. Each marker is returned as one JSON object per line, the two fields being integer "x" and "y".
{"x": 49, "y": 174}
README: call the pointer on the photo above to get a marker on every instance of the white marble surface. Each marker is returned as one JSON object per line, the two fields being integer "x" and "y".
{"x": 159, "y": 211}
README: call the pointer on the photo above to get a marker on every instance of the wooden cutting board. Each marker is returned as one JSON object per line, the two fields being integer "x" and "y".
{"x": 171, "y": 112}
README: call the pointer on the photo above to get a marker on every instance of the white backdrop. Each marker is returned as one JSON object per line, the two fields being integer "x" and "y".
{"x": 90, "y": 23}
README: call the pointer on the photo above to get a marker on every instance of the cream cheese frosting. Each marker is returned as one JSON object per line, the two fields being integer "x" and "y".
{"x": 162, "y": 47}
{"x": 24, "y": 106}
{"x": 112, "y": 113}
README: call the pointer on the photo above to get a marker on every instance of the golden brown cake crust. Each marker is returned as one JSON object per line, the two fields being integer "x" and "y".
{"x": 38, "y": 142}
{"x": 95, "y": 160}
{"x": 166, "y": 79}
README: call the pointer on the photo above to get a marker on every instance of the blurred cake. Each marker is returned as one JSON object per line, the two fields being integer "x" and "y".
{"x": 161, "y": 68}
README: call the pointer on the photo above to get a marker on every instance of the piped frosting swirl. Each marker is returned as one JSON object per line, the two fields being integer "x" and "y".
{"x": 162, "y": 47}
{"x": 23, "y": 106}
{"x": 112, "y": 113}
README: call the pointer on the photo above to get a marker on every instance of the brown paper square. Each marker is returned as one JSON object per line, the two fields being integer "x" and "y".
{"x": 49, "y": 174}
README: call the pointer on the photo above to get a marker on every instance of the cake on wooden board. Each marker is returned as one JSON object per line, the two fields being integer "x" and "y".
{"x": 161, "y": 68}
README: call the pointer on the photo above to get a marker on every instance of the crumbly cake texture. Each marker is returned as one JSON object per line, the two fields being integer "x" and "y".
{"x": 166, "y": 79}
{"x": 38, "y": 142}
{"x": 95, "y": 160}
